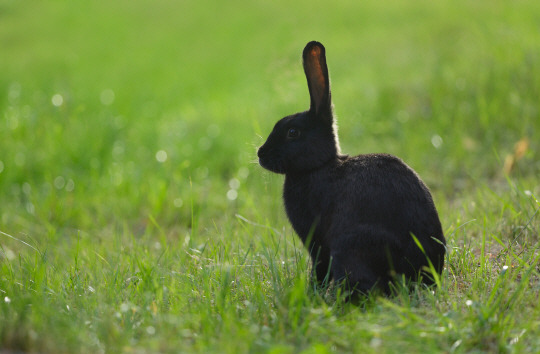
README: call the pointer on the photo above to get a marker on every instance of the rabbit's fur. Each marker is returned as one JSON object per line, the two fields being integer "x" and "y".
{"x": 359, "y": 217}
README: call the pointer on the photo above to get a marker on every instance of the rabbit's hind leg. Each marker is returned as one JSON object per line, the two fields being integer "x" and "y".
{"x": 364, "y": 260}
{"x": 354, "y": 274}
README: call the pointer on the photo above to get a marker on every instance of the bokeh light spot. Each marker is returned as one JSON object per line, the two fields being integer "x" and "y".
{"x": 436, "y": 141}
{"x": 59, "y": 182}
{"x": 57, "y": 100}
{"x": 232, "y": 194}
{"x": 178, "y": 202}
{"x": 161, "y": 156}
{"x": 234, "y": 183}
{"x": 107, "y": 97}
{"x": 70, "y": 185}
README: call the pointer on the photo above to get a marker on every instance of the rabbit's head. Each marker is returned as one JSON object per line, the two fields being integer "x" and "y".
{"x": 305, "y": 141}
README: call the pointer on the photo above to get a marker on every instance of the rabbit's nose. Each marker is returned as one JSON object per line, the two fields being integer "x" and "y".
{"x": 261, "y": 152}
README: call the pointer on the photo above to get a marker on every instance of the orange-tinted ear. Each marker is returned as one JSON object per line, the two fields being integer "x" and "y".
{"x": 317, "y": 77}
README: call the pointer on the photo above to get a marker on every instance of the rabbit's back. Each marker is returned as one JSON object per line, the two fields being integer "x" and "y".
{"x": 381, "y": 188}
{"x": 389, "y": 193}
{"x": 374, "y": 192}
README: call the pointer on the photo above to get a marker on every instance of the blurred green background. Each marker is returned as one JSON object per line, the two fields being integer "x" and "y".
{"x": 127, "y": 122}
{"x": 450, "y": 88}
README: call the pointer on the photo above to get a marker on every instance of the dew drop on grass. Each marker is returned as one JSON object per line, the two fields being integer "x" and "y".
{"x": 26, "y": 188}
{"x": 14, "y": 92}
{"x": 117, "y": 178}
{"x": 514, "y": 99}
{"x": 403, "y": 116}
{"x": 436, "y": 141}
{"x": 107, "y": 97}
{"x": 59, "y": 182}
{"x": 234, "y": 183}
{"x": 178, "y": 202}
{"x": 30, "y": 208}
{"x": 232, "y": 194}
{"x": 455, "y": 345}
{"x": 375, "y": 342}
{"x": 161, "y": 156}
{"x": 7, "y": 300}
{"x": 57, "y": 100}
{"x": 213, "y": 131}
{"x": 20, "y": 159}
{"x": 70, "y": 185}
{"x": 468, "y": 302}
{"x": 10, "y": 255}
{"x": 13, "y": 121}
{"x": 124, "y": 307}
{"x": 118, "y": 149}
{"x": 504, "y": 269}
{"x": 26, "y": 111}
{"x": 243, "y": 172}
{"x": 186, "y": 333}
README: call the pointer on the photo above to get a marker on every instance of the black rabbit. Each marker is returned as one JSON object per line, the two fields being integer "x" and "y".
{"x": 362, "y": 218}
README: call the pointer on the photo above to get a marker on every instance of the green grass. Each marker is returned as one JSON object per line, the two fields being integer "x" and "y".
{"x": 108, "y": 246}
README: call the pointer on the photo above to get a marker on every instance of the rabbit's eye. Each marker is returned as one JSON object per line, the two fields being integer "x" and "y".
{"x": 293, "y": 133}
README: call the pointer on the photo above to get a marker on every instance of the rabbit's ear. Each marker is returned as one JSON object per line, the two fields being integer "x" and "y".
{"x": 317, "y": 77}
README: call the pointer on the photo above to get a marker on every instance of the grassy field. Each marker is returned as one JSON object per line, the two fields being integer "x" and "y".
{"x": 133, "y": 214}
